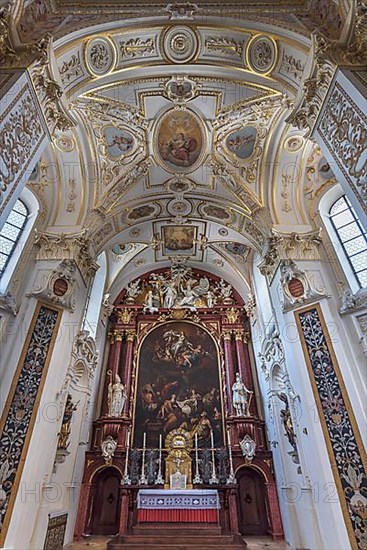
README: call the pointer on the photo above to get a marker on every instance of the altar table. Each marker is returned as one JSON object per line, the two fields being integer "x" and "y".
{"x": 178, "y": 505}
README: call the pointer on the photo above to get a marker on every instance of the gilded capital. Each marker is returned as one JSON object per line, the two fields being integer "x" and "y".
{"x": 130, "y": 335}
{"x": 227, "y": 334}
{"x": 239, "y": 334}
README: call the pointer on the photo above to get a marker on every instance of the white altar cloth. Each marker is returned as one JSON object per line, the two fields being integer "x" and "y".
{"x": 178, "y": 499}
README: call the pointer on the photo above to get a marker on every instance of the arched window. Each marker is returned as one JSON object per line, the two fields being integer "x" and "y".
{"x": 352, "y": 237}
{"x": 11, "y": 233}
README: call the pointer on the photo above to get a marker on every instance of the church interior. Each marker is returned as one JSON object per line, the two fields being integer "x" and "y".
{"x": 183, "y": 274}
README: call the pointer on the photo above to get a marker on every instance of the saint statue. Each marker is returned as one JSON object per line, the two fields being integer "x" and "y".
{"x": 241, "y": 397}
{"x": 116, "y": 396}
{"x": 65, "y": 429}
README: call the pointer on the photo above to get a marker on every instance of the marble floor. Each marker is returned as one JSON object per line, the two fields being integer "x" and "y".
{"x": 253, "y": 543}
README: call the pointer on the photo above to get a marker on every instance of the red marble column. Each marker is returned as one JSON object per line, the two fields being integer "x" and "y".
{"x": 229, "y": 367}
{"x": 274, "y": 511}
{"x": 128, "y": 367}
{"x": 115, "y": 353}
{"x": 243, "y": 359}
{"x": 83, "y": 510}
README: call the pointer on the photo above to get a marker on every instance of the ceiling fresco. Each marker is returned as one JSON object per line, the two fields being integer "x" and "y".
{"x": 179, "y": 145}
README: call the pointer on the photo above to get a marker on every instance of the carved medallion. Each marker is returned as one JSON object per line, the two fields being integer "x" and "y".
{"x": 261, "y": 54}
{"x": 180, "y": 44}
{"x": 180, "y": 88}
{"x": 179, "y": 207}
{"x": 179, "y": 140}
{"x": 100, "y": 56}
{"x": 296, "y": 288}
{"x": 294, "y": 143}
{"x": 60, "y": 287}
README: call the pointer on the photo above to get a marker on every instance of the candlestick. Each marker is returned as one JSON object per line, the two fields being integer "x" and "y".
{"x": 214, "y": 478}
{"x": 197, "y": 478}
{"x": 159, "y": 479}
{"x": 143, "y": 480}
{"x": 126, "y": 479}
{"x": 231, "y": 479}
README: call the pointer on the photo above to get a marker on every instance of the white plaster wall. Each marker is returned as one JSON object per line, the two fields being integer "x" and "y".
{"x": 33, "y": 502}
{"x": 311, "y": 513}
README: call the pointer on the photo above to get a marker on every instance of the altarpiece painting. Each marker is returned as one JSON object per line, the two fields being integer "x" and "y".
{"x": 178, "y": 385}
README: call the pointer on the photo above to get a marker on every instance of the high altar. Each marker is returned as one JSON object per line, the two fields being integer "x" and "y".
{"x": 179, "y": 413}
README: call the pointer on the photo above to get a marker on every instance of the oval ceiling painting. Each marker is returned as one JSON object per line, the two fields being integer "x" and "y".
{"x": 242, "y": 142}
{"x": 179, "y": 141}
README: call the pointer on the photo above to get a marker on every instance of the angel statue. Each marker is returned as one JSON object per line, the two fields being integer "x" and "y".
{"x": 192, "y": 293}
{"x": 132, "y": 291}
{"x": 241, "y": 397}
{"x": 116, "y": 396}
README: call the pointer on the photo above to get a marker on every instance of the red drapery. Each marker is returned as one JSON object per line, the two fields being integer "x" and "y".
{"x": 184, "y": 516}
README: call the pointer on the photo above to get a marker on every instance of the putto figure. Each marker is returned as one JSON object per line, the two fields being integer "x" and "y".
{"x": 241, "y": 397}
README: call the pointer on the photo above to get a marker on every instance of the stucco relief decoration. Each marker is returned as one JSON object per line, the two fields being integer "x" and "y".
{"x": 180, "y": 88}
{"x": 180, "y": 10}
{"x": 59, "y": 285}
{"x": 21, "y": 135}
{"x": 297, "y": 285}
{"x": 343, "y": 128}
{"x": 261, "y": 54}
{"x": 179, "y": 140}
{"x": 100, "y": 56}
{"x": 136, "y": 48}
{"x": 71, "y": 69}
{"x": 226, "y": 46}
{"x": 19, "y": 417}
{"x": 178, "y": 288}
{"x": 179, "y": 44}
{"x": 340, "y": 430}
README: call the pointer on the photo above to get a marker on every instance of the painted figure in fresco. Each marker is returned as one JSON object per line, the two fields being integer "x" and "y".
{"x": 178, "y": 149}
{"x": 123, "y": 143}
{"x": 240, "y": 397}
{"x": 116, "y": 396}
{"x": 234, "y": 144}
{"x": 66, "y": 423}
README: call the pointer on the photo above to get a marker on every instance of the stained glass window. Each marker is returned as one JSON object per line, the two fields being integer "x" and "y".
{"x": 11, "y": 232}
{"x": 352, "y": 237}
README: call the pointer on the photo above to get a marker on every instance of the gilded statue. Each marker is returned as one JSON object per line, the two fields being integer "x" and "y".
{"x": 65, "y": 429}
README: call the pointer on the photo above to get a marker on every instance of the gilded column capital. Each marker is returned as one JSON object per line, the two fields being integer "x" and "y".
{"x": 130, "y": 335}
{"x": 239, "y": 334}
{"x": 227, "y": 334}
{"x": 115, "y": 336}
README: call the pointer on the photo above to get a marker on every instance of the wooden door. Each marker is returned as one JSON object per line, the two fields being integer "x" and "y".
{"x": 106, "y": 505}
{"x": 252, "y": 506}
